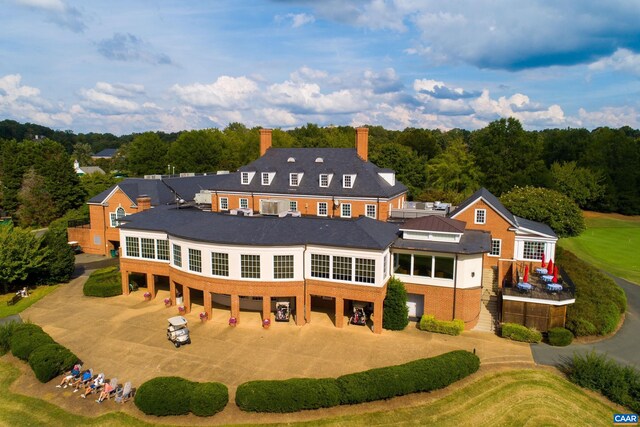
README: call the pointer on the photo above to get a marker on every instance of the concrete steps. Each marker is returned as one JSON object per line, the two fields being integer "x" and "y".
{"x": 489, "y": 314}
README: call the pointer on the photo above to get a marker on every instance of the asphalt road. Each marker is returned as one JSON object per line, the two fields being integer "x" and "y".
{"x": 623, "y": 347}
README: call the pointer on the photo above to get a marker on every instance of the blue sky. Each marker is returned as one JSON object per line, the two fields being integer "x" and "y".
{"x": 130, "y": 66}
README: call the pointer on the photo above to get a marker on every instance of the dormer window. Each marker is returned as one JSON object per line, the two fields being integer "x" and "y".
{"x": 324, "y": 180}
{"x": 293, "y": 179}
{"x": 245, "y": 178}
{"x": 347, "y": 181}
{"x": 319, "y": 160}
{"x": 265, "y": 178}
{"x": 291, "y": 160}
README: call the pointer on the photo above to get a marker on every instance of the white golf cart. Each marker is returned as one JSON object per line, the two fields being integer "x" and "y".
{"x": 177, "y": 331}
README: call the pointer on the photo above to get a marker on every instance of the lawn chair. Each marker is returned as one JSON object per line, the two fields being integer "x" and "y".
{"x": 125, "y": 393}
{"x": 108, "y": 390}
{"x": 83, "y": 380}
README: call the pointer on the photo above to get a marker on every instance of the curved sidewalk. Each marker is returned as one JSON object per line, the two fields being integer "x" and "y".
{"x": 623, "y": 347}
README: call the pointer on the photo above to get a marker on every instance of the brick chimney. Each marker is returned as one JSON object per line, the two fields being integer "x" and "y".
{"x": 362, "y": 143}
{"x": 265, "y": 141}
{"x": 143, "y": 202}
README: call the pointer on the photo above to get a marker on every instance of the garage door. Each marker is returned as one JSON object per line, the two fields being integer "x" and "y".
{"x": 415, "y": 303}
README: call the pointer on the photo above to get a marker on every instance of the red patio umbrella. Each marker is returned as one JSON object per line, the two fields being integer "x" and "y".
{"x": 543, "y": 263}
{"x": 555, "y": 274}
{"x": 525, "y": 279}
{"x": 550, "y": 267}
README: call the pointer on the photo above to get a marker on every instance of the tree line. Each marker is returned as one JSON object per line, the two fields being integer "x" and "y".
{"x": 598, "y": 169}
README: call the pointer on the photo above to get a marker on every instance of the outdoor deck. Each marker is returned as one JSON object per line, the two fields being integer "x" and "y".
{"x": 540, "y": 291}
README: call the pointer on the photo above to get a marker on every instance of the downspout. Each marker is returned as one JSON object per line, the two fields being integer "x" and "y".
{"x": 304, "y": 285}
{"x": 455, "y": 281}
{"x": 104, "y": 229}
{"x": 377, "y": 208}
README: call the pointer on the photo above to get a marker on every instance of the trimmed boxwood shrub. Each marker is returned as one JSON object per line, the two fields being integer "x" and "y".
{"x": 417, "y": 376}
{"x": 560, "y": 337}
{"x": 208, "y": 399}
{"x": 25, "y": 339}
{"x": 6, "y": 331}
{"x": 178, "y": 396}
{"x": 106, "y": 282}
{"x": 290, "y": 395}
{"x": 375, "y": 384}
{"x": 450, "y": 327}
{"x": 50, "y": 360}
{"x": 594, "y": 371}
{"x": 600, "y": 302}
{"x": 395, "y": 311}
{"x": 520, "y": 333}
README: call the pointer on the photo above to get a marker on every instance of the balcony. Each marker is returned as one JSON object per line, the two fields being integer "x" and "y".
{"x": 540, "y": 291}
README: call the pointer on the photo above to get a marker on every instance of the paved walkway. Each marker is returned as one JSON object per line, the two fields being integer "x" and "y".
{"x": 624, "y": 346}
{"x": 125, "y": 337}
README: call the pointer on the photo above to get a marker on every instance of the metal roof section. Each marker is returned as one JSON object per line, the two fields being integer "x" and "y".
{"x": 434, "y": 223}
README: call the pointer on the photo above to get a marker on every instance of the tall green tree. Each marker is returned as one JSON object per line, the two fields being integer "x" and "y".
{"x": 583, "y": 185}
{"x": 20, "y": 256}
{"x": 454, "y": 170}
{"x": 396, "y": 312}
{"x": 147, "y": 154}
{"x": 58, "y": 263}
{"x": 36, "y": 204}
{"x": 196, "y": 151}
{"x": 95, "y": 183}
{"x": 408, "y": 165}
{"x": 508, "y": 156}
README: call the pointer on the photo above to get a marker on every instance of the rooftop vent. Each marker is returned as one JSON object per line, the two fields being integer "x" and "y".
{"x": 222, "y": 173}
{"x": 153, "y": 177}
{"x": 319, "y": 160}
{"x": 186, "y": 174}
{"x": 291, "y": 160}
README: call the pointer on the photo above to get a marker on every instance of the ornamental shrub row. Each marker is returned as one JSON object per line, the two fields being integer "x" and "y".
{"x": 375, "y": 384}
{"x": 619, "y": 383}
{"x": 106, "y": 282}
{"x": 520, "y": 333}
{"x": 560, "y": 337}
{"x": 600, "y": 302}
{"x": 30, "y": 343}
{"x": 449, "y": 327}
{"x": 6, "y": 331}
{"x": 163, "y": 396}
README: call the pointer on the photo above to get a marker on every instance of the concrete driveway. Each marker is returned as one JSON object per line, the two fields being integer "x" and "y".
{"x": 624, "y": 346}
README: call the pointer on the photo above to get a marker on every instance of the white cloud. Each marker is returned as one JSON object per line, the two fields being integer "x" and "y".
{"x": 609, "y": 116}
{"x": 622, "y": 60}
{"x": 297, "y": 20}
{"x": 226, "y": 91}
{"x": 107, "y": 99}
{"x": 24, "y": 103}
{"x": 57, "y": 12}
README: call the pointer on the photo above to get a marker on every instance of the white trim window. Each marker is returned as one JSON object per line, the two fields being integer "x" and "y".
{"x": 244, "y": 203}
{"x": 177, "y": 255}
{"x": 148, "y": 248}
{"x": 293, "y": 180}
{"x": 480, "y": 216}
{"x": 265, "y": 178}
{"x": 496, "y": 247}
{"x": 533, "y": 250}
{"x": 224, "y": 203}
{"x": 283, "y": 267}
{"x": 320, "y": 266}
{"x": 345, "y": 210}
{"x": 293, "y": 205}
{"x": 324, "y": 180}
{"x": 250, "y": 266}
{"x": 195, "y": 260}
{"x": 219, "y": 264}
{"x": 347, "y": 181}
{"x": 342, "y": 268}
{"x": 162, "y": 248}
{"x": 132, "y": 246}
{"x": 115, "y": 216}
{"x": 370, "y": 211}
{"x": 245, "y": 178}
{"x": 322, "y": 209}
{"x": 365, "y": 270}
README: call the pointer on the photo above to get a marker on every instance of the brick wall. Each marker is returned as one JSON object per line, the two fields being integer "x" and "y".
{"x": 438, "y": 301}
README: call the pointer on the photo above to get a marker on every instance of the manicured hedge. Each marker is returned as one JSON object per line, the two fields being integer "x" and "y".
{"x": 619, "y": 383}
{"x": 375, "y": 384}
{"x": 178, "y": 396}
{"x": 290, "y": 395}
{"x": 560, "y": 337}
{"x": 395, "y": 311}
{"x": 26, "y": 338}
{"x": 50, "y": 360}
{"x": 520, "y": 333}
{"x": 449, "y": 327}
{"x": 106, "y": 282}
{"x": 600, "y": 302}
{"x": 6, "y": 331}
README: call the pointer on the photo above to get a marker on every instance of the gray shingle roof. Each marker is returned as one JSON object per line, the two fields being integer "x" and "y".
{"x": 535, "y": 226}
{"x": 159, "y": 192}
{"x": 339, "y": 161}
{"x": 107, "y": 152}
{"x": 187, "y": 187}
{"x": 434, "y": 223}
{"x": 471, "y": 242}
{"x": 193, "y": 224}
{"x": 490, "y": 199}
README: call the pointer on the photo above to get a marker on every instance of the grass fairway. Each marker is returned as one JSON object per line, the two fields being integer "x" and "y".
{"x": 511, "y": 398}
{"x": 34, "y": 296}
{"x": 610, "y": 243}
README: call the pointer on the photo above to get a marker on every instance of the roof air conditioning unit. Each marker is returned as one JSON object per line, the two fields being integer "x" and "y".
{"x": 274, "y": 207}
{"x": 203, "y": 197}
{"x": 153, "y": 177}
{"x": 186, "y": 174}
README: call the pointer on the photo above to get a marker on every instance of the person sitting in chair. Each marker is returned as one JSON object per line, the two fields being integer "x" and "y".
{"x": 94, "y": 386}
{"x": 70, "y": 376}
{"x": 84, "y": 379}
{"x": 106, "y": 393}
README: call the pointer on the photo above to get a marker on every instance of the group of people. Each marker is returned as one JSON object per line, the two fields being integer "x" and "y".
{"x": 86, "y": 381}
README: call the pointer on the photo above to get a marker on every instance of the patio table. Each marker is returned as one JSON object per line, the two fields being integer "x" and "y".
{"x": 554, "y": 287}
{"x": 541, "y": 270}
{"x": 547, "y": 277}
{"x": 524, "y": 286}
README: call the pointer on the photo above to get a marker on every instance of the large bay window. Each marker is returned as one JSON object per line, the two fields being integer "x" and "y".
{"x": 283, "y": 266}
{"x": 342, "y": 268}
{"x": 132, "y": 246}
{"x": 533, "y": 250}
{"x": 250, "y": 266}
{"x": 424, "y": 265}
{"x": 219, "y": 264}
{"x": 195, "y": 260}
{"x": 320, "y": 266}
{"x": 148, "y": 248}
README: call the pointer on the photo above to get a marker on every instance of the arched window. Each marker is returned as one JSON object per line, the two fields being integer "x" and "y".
{"x": 120, "y": 213}
{"x": 115, "y": 216}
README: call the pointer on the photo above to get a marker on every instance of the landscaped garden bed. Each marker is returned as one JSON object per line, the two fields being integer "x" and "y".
{"x": 106, "y": 282}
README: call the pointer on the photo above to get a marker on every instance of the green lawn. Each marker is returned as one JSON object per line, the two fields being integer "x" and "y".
{"x": 521, "y": 397}
{"x": 610, "y": 243}
{"x": 34, "y": 296}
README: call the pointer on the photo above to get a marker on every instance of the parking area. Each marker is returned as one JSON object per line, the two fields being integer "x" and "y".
{"x": 125, "y": 337}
